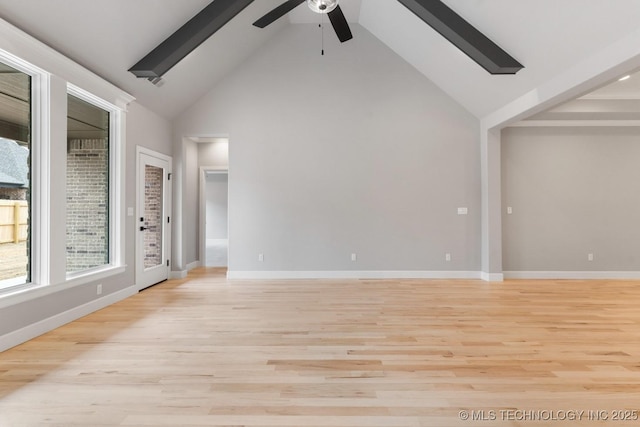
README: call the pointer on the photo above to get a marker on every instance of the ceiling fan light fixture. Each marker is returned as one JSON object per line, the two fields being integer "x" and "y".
{"x": 322, "y": 6}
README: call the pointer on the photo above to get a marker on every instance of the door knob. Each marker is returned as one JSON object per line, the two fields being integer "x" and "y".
{"x": 143, "y": 228}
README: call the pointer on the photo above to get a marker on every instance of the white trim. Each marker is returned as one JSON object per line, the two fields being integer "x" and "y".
{"x": 118, "y": 127}
{"x": 39, "y": 169}
{"x": 492, "y": 277}
{"x": 611, "y": 97}
{"x": 10, "y": 283}
{"x": 92, "y": 99}
{"x": 149, "y": 152}
{"x": 40, "y": 203}
{"x": 157, "y": 159}
{"x": 575, "y": 275}
{"x": 349, "y": 274}
{"x": 194, "y": 264}
{"x": 36, "y": 329}
{"x": 20, "y": 64}
{"x": 575, "y": 123}
{"x": 28, "y": 292}
{"x": 116, "y": 177}
{"x": 182, "y": 274}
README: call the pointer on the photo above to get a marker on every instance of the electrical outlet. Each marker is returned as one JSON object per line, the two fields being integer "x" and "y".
{"x": 99, "y": 289}
{"x": 463, "y": 211}
{"x": 261, "y": 257}
{"x": 509, "y": 210}
{"x": 354, "y": 257}
{"x": 447, "y": 257}
{"x": 590, "y": 257}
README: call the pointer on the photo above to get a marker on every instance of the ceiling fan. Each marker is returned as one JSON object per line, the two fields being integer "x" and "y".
{"x": 329, "y": 7}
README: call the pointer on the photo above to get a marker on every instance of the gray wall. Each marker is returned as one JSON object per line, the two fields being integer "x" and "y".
{"x": 217, "y": 205}
{"x": 353, "y": 151}
{"x": 143, "y": 128}
{"x": 573, "y": 191}
{"x": 190, "y": 204}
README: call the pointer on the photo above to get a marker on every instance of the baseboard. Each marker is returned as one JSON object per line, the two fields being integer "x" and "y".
{"x": 180, "y": 274}
{"x": 348, "y": 274}
{"x": 492, "y": 277}
{"x": 22, "y": 335}
{"x": 192, "y": 265}
{"x": 575, "y": 275}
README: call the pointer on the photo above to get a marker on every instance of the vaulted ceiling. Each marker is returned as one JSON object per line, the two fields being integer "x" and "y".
{"x": 546, "y": 36}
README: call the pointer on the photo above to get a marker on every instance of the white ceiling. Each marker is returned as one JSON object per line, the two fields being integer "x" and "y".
{"x": 119, "y": 33}
{"x": 629, "y": 88}
{"x": 546, "y": 36}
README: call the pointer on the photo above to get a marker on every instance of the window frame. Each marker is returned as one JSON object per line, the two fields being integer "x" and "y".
{"x": 46, "y": 280}
{"x": 116, "y": 249}
{"x": 39, "y": 173}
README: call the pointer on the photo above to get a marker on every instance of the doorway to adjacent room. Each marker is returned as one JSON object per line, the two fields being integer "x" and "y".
{"x": 216, "y": 205}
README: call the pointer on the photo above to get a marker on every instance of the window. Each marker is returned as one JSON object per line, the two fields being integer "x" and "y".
{"x": 33, "y": 172}
{"x": 15, "y": 177}
{"x": 88, "y": 186}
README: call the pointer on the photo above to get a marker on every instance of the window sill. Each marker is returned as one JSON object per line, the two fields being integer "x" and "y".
{"x": 24, "y": 293}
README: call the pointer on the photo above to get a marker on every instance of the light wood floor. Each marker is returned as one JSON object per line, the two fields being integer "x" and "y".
{"x": 353, "y": 353}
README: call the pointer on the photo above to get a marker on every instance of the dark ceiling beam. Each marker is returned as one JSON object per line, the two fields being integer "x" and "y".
{"x": 187, "y": 38}
{"x": 463, "y": 35}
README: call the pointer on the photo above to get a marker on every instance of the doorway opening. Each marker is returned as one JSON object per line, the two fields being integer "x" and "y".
{"x": 216, "y": 229}
{"x": 213, "y": 223}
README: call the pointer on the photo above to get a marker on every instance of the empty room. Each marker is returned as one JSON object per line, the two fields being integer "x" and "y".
{"x": 358, "y": 213}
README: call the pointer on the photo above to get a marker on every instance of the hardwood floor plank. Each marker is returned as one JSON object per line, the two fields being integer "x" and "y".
{"x": 208, "y": 351}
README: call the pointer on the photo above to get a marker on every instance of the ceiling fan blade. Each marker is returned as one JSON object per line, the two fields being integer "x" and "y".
{"x": 278, "y": 12}
{"x": 339, "y": 23}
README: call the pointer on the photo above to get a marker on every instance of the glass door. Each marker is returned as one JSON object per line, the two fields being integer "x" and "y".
{"x": 153, "y": 220}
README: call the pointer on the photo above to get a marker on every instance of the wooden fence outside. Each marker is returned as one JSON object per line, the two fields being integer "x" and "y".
{"x": 14, "y": 217}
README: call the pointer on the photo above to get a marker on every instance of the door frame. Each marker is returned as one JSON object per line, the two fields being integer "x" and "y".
{"x": 167, "y": 212}
{"x": 202, "y": 249}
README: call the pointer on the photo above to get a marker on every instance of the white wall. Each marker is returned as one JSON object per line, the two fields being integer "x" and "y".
{"x": 214, "y": 154}
{"x": 350, "y": 152}
{"x": 217, "y": 205}
{"x": 573, "y": 191}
